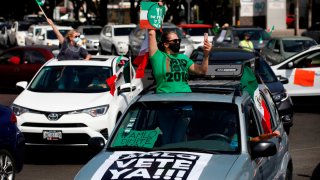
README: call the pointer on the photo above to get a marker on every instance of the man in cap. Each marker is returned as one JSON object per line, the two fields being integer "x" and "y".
{"x": 246, "y": 43}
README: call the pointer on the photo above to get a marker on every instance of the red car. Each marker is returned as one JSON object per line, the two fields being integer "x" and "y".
{"x": 21, "y": 64}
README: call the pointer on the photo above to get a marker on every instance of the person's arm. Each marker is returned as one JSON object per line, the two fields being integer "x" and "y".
{"x": 203, "y": 68}
{"x": 153, "y": 46}
{"x": 88, "y": 57}
{"x": 265, "y": 136}
{"x": 56, "y": 31}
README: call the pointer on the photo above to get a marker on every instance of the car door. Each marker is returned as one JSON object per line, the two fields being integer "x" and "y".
{"x": 10, "y": 70}
{"x": 304, "y": 80}
{"x": 282, "y": 141}
{"x": 32, "y": 61}
{"x": 105, "y": 38}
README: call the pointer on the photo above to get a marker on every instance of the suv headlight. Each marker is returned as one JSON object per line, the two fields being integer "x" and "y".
{"x": 18, "y": 110}
{"x": 94, "y": 112}
{"x": 280, "y": 97}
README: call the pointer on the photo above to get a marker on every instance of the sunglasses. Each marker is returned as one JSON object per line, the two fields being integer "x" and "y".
{"x": 77, "y": 36}
{"x": 174, "y": 40}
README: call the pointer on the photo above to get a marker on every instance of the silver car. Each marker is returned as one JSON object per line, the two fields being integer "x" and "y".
{"x": 137, "y": 36}
{"x": 92, "y": 34}
{"x": 201, "y": 135}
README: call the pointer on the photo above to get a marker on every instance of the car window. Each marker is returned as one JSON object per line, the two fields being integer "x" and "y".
{"x": 270, "y": 44}
{"x": 197, "y": 31}
{"x": 297, "y": 45}
{"x": 209, "y": 125}
{"x": 122, "y": 31}
{"x": 277, "y": 44}
{"x": 272, "y": 109}
{"x": 52, "y": 35}
{"x": 5, "y": 57}
{"x": 265, "y": 72}
{"x": 91, "y": 31}
{"x": 23, "y": 27}
{"x": 34, "y": 57}
{"x": 70, "y": 79}
{"x": 255, "y": 34}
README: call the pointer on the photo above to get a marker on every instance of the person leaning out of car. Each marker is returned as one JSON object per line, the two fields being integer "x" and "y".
{"x": 246, "y": 44}
{"x": 70, "y": 45}
{"x": 170, "y": 68}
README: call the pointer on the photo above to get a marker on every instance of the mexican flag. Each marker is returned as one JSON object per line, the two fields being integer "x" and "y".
{"x": 40, "y": 2}
{"x": 142, "y": 59}
{"x": 249, "y": 83}
{"x": 151, "y": 15}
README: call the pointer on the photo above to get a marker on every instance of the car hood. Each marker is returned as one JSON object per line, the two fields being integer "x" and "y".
{"x": 58, "y": 102}
{"x": 92, "y": 37}
{"x": 157, "y": 165}
{"x": 275, "y": 87}
{"x": 121, "y": 39}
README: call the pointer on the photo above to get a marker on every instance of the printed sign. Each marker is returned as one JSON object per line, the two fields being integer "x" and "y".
{"x": 134, "y": 138}
{"x": 152, "y": 165}
{"x": 151, "y": 15}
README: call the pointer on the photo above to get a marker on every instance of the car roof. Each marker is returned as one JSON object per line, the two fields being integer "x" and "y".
{"x": 195, "y": 25}
{"x": 49, "y": 27}
{"x": 292, "y": 38}
{"x": 122, "y": 25}
{"x": 94, "y": 61}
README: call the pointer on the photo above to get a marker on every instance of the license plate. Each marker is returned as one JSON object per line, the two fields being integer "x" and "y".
{"x": 52, "y": 135}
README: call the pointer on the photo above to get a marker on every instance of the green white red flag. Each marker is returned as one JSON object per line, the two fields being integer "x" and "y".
{"x": 151, "y": 15}
{"x": 142, "y": 59}
{"x": 40, "y": 2}
{"x": 249, "y": 83}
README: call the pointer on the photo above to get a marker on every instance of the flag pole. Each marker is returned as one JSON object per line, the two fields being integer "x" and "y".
{"x": 130, "y": 66}
{"x": 43, "y": 11}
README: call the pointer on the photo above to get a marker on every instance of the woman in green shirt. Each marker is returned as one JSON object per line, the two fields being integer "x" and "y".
{"x": 170, "y": 68}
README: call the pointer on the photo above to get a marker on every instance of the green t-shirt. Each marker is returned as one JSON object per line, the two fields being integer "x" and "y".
{"x": 175, "y": 77}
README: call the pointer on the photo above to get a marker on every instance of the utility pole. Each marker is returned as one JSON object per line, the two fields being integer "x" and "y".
{"x": 189, "y": 9}
{"x": 297, "y": 16}
{"x": 233, "y": 12}
{"x": 309, "y": 13}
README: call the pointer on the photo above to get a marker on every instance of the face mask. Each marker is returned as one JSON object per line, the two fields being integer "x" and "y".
{"x": 175, "y": 47}
{"x": 76, "y": 40}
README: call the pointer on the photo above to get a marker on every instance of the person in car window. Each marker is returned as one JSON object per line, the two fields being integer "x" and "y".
{"x": 246, "y": 44}
{"x": 70, "y": 45}
{"x": 170, "y": 68}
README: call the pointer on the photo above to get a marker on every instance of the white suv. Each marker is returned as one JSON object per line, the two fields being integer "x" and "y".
{"x": 44, "y": 35}
{"x": 114, "y": 39}
{"x": 64, "y": 105}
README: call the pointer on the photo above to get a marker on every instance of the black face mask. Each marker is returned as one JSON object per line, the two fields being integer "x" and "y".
{"x": 175, "y": 47}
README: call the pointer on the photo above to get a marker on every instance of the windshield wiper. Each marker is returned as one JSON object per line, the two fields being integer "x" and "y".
{"x": 189, "y": 150}
{"x": 131, "y": 148}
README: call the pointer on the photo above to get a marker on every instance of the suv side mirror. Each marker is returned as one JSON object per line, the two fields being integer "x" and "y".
{"x": 283, "y": 80}
{"x": 96, "y": 144}
{"x": 126, "y": 88}
{"x": 276, "y": 51}
{"x": 41, "y": 37}
{"x": 263, "y": 149}
{"x": 108, "y": 34}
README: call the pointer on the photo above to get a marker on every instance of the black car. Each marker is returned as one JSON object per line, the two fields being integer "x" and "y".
{"x": 231, "y": 55}
{"x": 231, "y": 36}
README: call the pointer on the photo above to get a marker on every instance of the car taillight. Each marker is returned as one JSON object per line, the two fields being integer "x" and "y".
{"x": 13, "y": 119}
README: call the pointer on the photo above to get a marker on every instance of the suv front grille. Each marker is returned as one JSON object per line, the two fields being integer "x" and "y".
{"x": 58, "y": 125}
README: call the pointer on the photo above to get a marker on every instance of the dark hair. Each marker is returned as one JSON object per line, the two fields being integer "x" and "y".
{"x": 163, "y": 39}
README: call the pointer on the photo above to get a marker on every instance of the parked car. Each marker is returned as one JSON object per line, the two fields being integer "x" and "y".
{"x": 232, "y": 35}
{"x": 138, "y": 35}
{"x": 21, "y": 64}
{"x": 17, "y": 33}
{"x": 12, "y": 144}
{"x": 303, "y": 71}
{"x": 92, "y": 34}
{"x": 279, "y": 48}
{"x": 313, "y": 32}
{"x": 44, "y": 35}
{"x": 67, "y": 102}
{"x": 262, "y": 69}
{"x": 4, "y": 34}
{"x": 114, "y": 39}
{"x": 195, "y": 33}
{"x": 189, "y": 136}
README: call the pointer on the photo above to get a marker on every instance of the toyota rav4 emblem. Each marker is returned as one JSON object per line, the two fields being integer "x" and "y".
{"x": 53, "y": 116}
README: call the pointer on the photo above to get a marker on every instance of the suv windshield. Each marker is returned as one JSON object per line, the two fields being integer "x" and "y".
{"x": 92, "y": 31}
{"x": 123, "y": 31}
{"x": 52, "y": 35}
{"x": 199, "y": 126}
{"x": 255, "y": 34}
{"x": 83, "y": 79}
